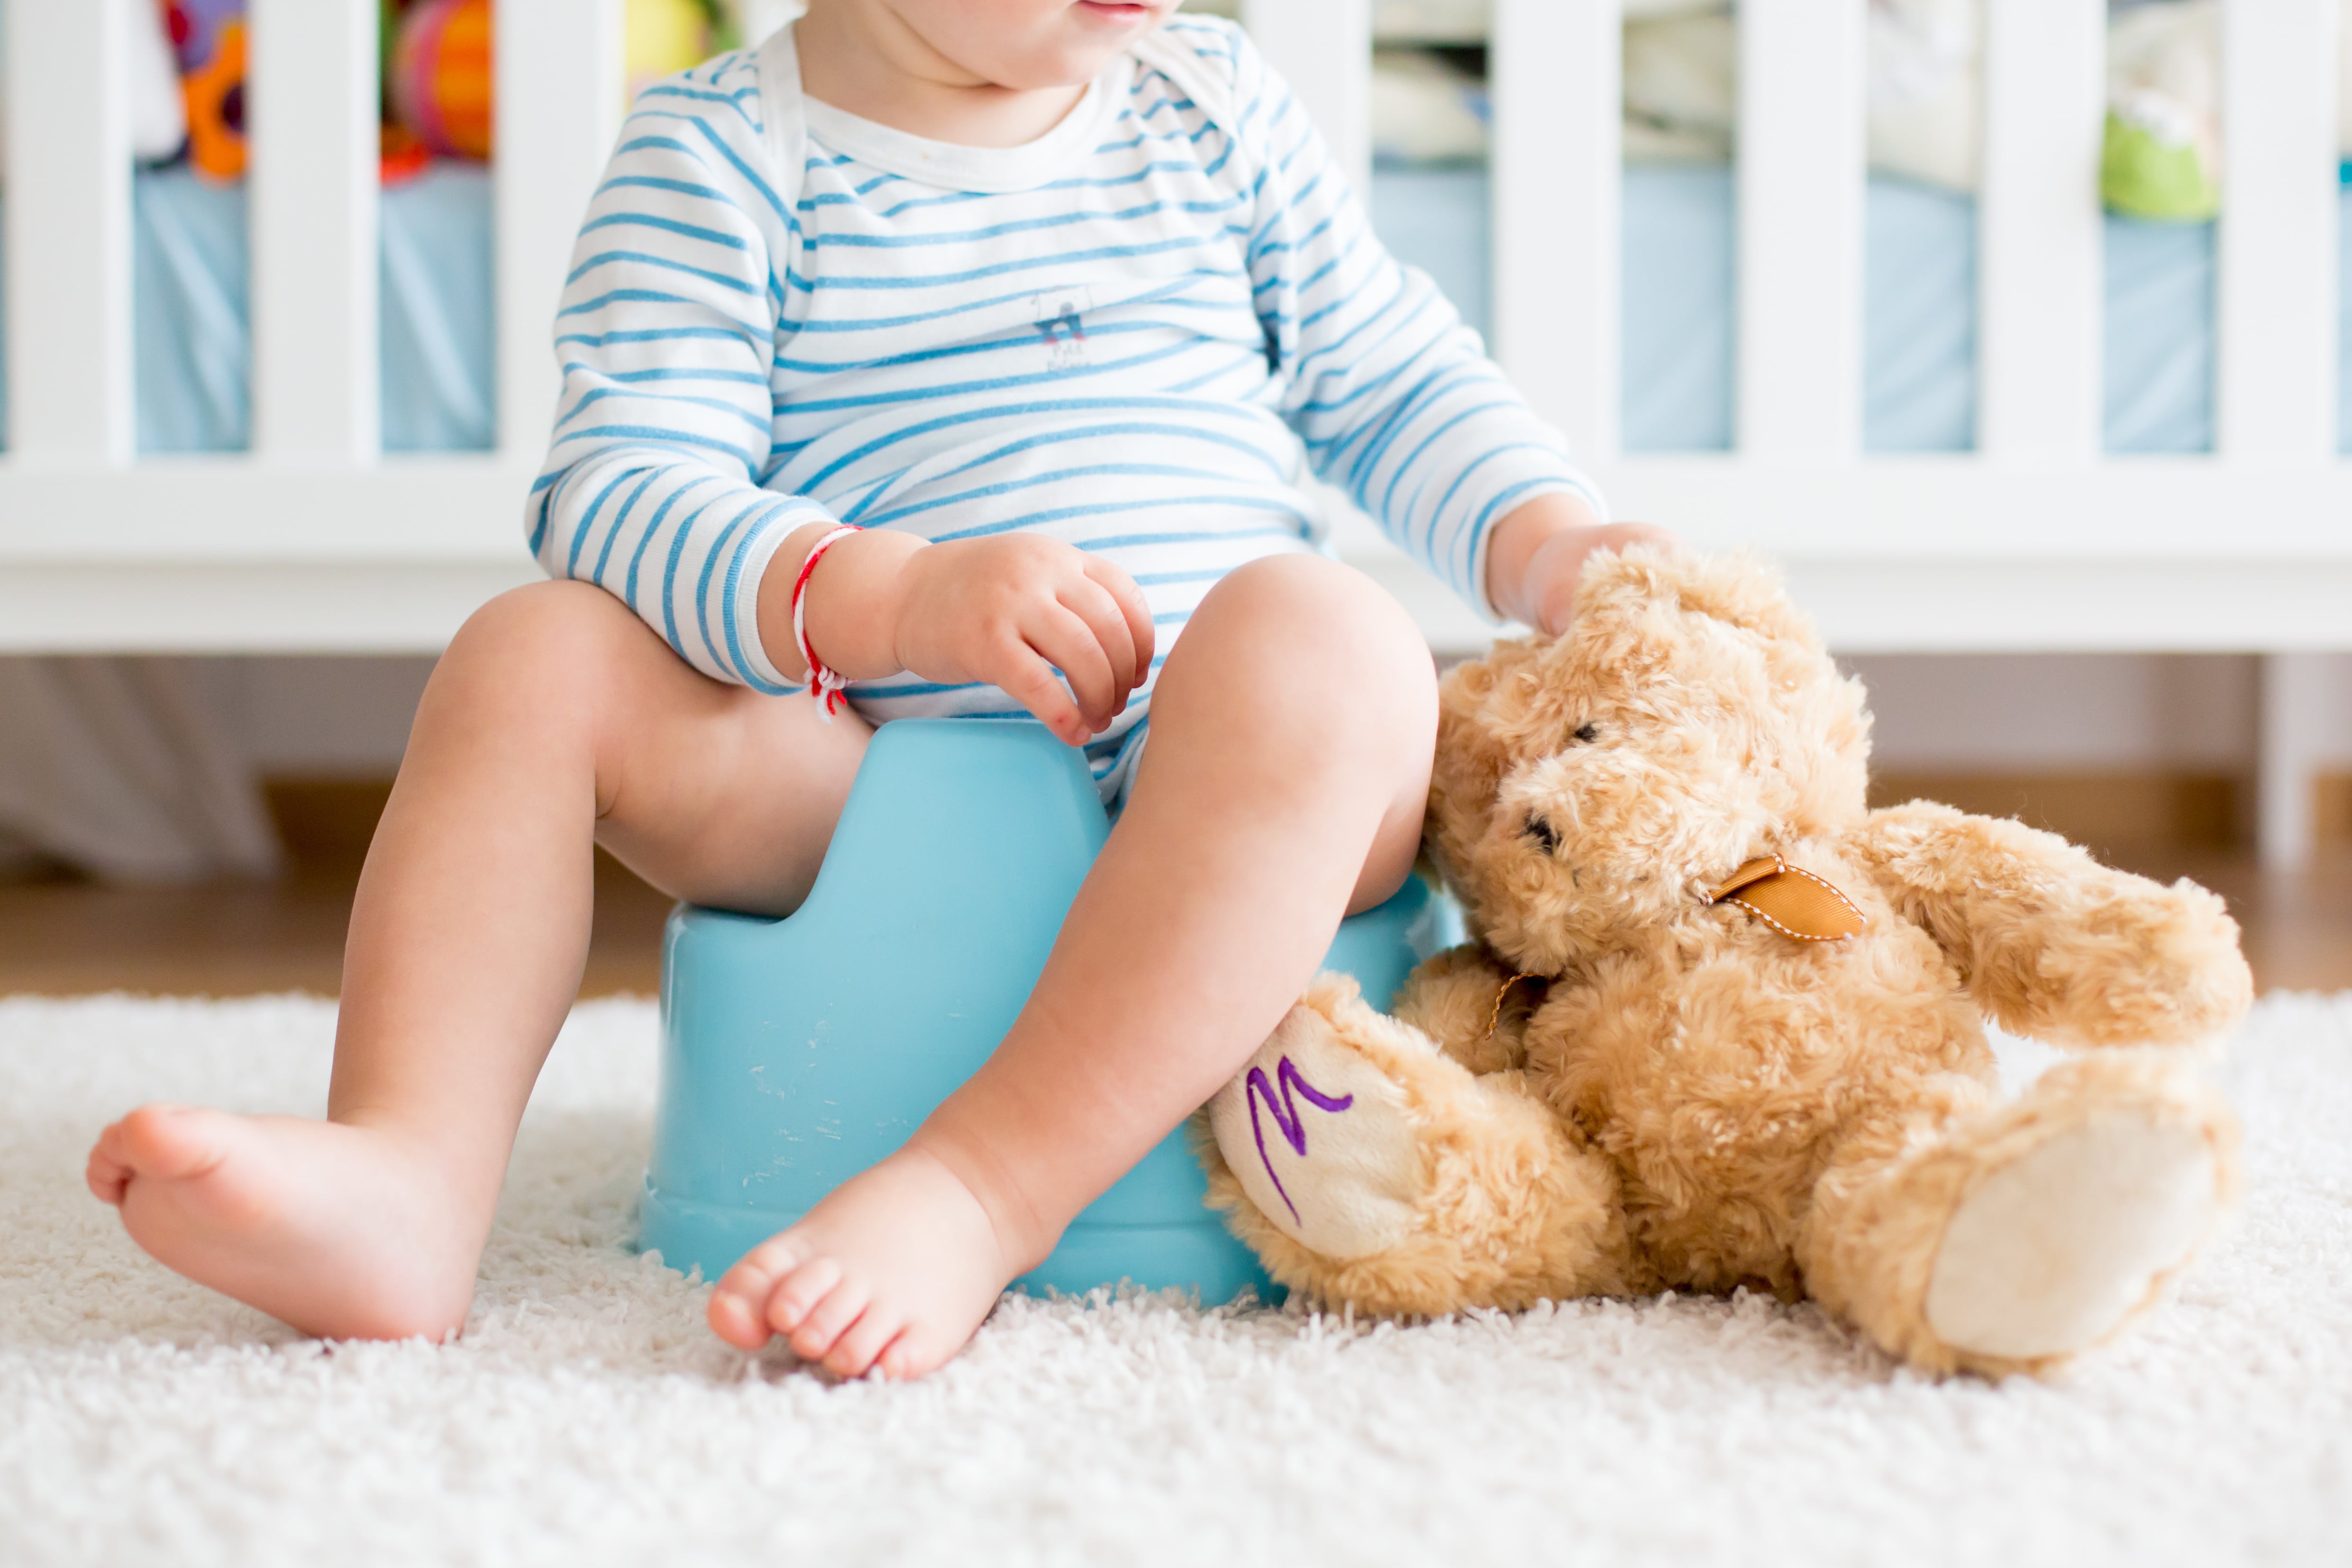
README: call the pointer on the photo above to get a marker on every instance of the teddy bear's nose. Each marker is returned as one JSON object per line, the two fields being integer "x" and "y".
{"x": 1540, "y": 831}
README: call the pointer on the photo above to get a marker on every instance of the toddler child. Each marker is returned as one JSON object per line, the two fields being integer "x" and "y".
{"x": 1059, "y": 303}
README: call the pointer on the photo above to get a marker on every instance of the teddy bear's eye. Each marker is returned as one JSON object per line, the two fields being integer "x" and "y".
{"x": 1586, "y": 733}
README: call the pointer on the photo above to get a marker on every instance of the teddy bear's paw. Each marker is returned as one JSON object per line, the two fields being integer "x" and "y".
{"x": 1319, "y": 1139}
{"x": 2070, "y": 1239}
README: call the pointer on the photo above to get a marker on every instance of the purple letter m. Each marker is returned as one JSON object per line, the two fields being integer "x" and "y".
{"x": 1286, "y": 1116}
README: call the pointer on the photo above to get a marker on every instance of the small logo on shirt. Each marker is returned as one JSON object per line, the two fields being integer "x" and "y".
{"x": 1060, "y": 318}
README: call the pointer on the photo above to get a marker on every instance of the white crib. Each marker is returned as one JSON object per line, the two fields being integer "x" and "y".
{"x": 316, "y": 541}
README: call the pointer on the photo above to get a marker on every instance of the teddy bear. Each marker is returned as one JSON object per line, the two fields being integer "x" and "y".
{"x": 1721, "y": 1023}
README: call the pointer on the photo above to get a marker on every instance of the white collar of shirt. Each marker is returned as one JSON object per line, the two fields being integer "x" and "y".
{"x": 994, "y": 171}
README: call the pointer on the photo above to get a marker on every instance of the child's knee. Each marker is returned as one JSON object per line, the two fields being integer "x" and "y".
{"x": 554, "y": 624}
{"x": 1319, "y": 649}
{"x": 546, "y": 657}
{"x": 1315, "y": 616}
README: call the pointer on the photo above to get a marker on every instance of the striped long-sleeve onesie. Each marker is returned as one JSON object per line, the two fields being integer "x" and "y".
{"x": 1139, "y": 334}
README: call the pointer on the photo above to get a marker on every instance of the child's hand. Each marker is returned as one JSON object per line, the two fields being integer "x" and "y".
{"x": 1009, "y": 610}
{"x": 1012, "y": 609}
{"x": 1538, "y": 553}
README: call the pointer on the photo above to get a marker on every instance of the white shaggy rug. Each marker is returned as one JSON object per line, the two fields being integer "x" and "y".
{"x": 587, "y": 1417}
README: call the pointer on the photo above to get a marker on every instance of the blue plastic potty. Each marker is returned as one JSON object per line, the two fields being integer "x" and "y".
{"x": 797, "y": 1052}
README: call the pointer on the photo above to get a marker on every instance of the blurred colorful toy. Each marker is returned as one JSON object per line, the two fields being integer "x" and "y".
{"x": 208, "y": 36}
{"x": 159, "y": 114}
{"x": 400, "y": 157}
{"x": 442, "y": 79}
{"x": 664, "y": 38}
{"x": 2161, "y": 157}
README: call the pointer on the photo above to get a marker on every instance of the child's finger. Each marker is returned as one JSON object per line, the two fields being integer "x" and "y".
{"x": 1029, "y": 680}
{"x": 1092, "y": 602}
{"x": 1134, "y": 606}
{"x": 1070, "y": 645}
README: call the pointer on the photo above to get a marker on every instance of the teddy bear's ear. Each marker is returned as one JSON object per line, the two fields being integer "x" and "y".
{"x": 1473, "y": 745}
{"x": 1470, "y": 728}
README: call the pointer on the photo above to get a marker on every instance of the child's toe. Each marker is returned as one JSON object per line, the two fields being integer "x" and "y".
{"x": 825, "y": 1322}
{"x": 854, "y": 1353}
{"x": 106, "y": 1175}
{"x": 797, "y": 1293}
{"x": 167, "y": 1142}
{"x": 737, "y": 1321}
{"x": 756, "y": 1272}
{"x": 740, "y": 1306}
{"x": 916, "y": 1352}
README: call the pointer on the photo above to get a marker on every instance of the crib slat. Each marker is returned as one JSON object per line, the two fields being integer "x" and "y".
{"x": 559, "y": 88}
{"x": 2038, "y": 234}
{"x": 2276, "y": 379}
{"x": 1554, "y": 69}
{"x": 313, "y": 93}
{"x": 1801, "y": 191}
{"x": 68, "y": 231}
{"x": 1323, "y": 49}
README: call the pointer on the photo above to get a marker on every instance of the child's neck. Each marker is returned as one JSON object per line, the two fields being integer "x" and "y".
{"x": 863, "y": 60}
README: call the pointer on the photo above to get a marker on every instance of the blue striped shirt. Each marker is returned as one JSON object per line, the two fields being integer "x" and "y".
{"x": 1139, "y": 334}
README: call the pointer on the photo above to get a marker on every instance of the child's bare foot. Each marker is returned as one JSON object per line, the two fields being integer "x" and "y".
{"x": 896, "y": 1268}
{"x": 340, "y": 1231}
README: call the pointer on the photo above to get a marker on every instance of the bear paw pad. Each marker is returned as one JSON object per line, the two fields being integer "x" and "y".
{"x": 1318, "y": 1137}
{"x": 2054, "y": 1251}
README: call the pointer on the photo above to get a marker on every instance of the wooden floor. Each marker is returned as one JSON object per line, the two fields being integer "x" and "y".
{"x": 243, "y": 939}
{"x": 67, "y": 938}
{"x": 2297, "y": 925}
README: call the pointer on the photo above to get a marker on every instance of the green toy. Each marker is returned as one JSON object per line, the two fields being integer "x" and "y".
{"x": 2146, "y": 171}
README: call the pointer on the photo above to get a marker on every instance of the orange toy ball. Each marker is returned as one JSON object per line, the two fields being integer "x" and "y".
{"x": 214, "y": 96}
{"x": 441, "y": 77}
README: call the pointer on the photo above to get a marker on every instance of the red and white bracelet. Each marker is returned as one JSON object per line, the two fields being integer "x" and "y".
{"x": 826, "y": 683}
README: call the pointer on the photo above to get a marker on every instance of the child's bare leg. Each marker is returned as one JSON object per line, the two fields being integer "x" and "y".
{"x": 556, "y": 718}
{"x": 1292, "y": 731}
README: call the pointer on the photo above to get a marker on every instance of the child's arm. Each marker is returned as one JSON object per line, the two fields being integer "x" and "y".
{"x": 667, "y": 335}
{"x": 1397, "y": 402}
{"x": 667, "y": 338}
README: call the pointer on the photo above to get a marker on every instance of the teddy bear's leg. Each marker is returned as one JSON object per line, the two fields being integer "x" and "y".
{"x": 1366, "y": 1167}
{"x": 2027, "y": 1232}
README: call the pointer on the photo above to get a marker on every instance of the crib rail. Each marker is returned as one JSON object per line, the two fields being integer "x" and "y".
{"x": 559, "y": 87}
{"x": 1799, "y": 182}
{"x": 69, "y": 233}
{"x": 1555, "y": 262}
{"x": 2277, "y": 379}
{"x": 1933, "y": 551}
{"x": 313, "y": 220}
{"x": 2038, "y": 214}
{"x": 315, "y": 539}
